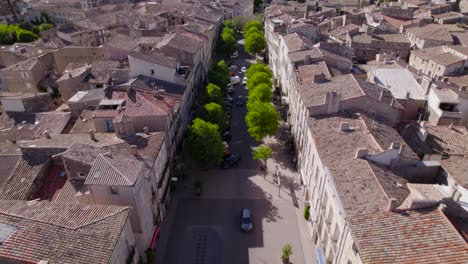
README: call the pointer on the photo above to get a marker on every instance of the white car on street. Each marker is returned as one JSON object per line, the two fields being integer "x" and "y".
{"x": 244, "y": 81}
{"x": 243, "y": 69}
{"x": 235, "y": 80}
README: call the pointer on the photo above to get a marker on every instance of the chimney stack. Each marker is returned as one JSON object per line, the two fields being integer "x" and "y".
{"x": 361, "y": 153}
{"x": 307, "y": 59}
{"x": 91, "y": 135}
{"x": 146, "y": 130}
{"x": 455, "y": 194}
{"x": 450, "y": 126}
{"x": 392, "y": 103}
{"x": 392, "y": 204}
{"x": 344, "y": 126}
{"x": 47, "y": 134}
{"x": 134, "y": 150}
{"x": 381, "y": 95}
{"x": 402, "y": 148}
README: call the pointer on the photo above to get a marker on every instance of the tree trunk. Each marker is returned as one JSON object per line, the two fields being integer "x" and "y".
{"x": 12, "y": 9}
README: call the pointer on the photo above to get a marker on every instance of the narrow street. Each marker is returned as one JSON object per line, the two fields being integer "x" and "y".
{"x": 206, "y": 229}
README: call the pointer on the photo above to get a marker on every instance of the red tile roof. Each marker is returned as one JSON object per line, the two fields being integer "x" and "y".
{"x": 423, "y": 236}
{"x": 70, "y": 232}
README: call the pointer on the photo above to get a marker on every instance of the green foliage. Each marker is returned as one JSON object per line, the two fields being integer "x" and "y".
{"x": 9, "y": 34}
{"x": 227, "y": 44}
{"x": 45, "y": 26}
{"x": 261, "y": 92}
{"x": 258, "y": 78}
{"x": 286, "y": 251}
{"x": 219, "y": 75}
{"x": 214, "y": 94}
{"x": 26, "y": 36}
{"x": 258, "y": 67}
{"x": 25, "y": 25}
{"x": 254, "y": 23}
{"x": 45, "y": 17}
{"x": 229, "y": 23}
{"x": 257, "y": 3}
{"x": 263, "y": 152}
{"x": 307, "y": 212}
{"x": 251, "y": 31}
{"x": 150, "y": 255}
{"x": 205, "y": 143}
{"x": 255, "y": 43}
{"x": 214, "y": 114}
{"x": 35, "y": 30}
{"x": 261, "y": 119}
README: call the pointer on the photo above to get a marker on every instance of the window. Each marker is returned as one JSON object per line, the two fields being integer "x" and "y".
{"x": 114, "y": 190}
{"x": 152, "y": 72}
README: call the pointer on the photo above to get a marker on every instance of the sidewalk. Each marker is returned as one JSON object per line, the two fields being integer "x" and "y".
{"x": 290, "y": 187}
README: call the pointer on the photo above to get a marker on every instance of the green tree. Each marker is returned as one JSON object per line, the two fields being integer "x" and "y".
{"x": 253, "y": 23}
{"x": 261, "y": 92}
{"x": 219, "y": 75}
{"x": 45, "y": 26}
{"x": 214, "y": 94}
{"x": 26, "y": 36}
{"x": 262, "y": 153}
{"x": 205, "y": 143}
{"x": 35, "y": 30}
{"x": 228, "y": 42}
{"x": 258, "y": 78}
{"x": 229, "y": 23}
{"x": 258, "y": 67}
{"x": 255, "y": 43}
{"x": 214, "y": 114}
{"x": 251, "y": 31}
{"x": 262, "y": 119}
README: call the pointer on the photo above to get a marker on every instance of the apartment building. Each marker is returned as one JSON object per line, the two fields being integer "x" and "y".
{"x": 440, "y": 61}
{"x": 429, "y": 36}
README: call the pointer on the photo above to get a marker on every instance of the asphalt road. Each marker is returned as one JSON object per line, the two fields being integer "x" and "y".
{"x": 206, "y": 230}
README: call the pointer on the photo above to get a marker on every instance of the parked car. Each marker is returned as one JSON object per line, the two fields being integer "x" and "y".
{"x": 231, "y": 90}
{"x": 246, "y": 220}
{"x": 233, "y": 67}
{"x": 235, "y": 80}
{"x": 239, "y": 100}
{"x": 243, "y": 69}
{"x": 226, "y": 136}
{"x": 230, "y": 160}
{"x": 235, "y": 55}
{"x": 244, "y": 81}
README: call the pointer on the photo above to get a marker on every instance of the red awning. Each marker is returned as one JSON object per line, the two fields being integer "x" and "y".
{"x": 155, "y": 237}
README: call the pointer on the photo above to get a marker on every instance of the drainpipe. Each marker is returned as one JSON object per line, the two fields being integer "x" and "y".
{"x": 341, "y": 245}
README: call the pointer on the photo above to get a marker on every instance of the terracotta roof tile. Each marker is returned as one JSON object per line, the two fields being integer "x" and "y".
{"x": 75, "y": 233}
{"x": 423, "y": 236}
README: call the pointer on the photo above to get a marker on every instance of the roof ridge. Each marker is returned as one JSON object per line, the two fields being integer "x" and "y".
{"x": 117, "y": 170}
{"x": 67, "y": 204}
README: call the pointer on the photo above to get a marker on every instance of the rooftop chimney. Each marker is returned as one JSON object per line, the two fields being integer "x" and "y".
{"x": 307, "y": 59}
{"x": 455, "y": 194}
{"x": 392, "y": 103}
{"x": 392, "y": 204}
{"x": 344, "y": 126}
{"x": 146, "y": 130}
{"x": 381, "y": 95}
{"x": 361, "y": 153}
{"x": 402, "y": 148}
{"x": 134, "y": 150}
{"x": 46, "y": 134}
{"x": 91, "y": 135}
{"x": 450, "y": 126}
